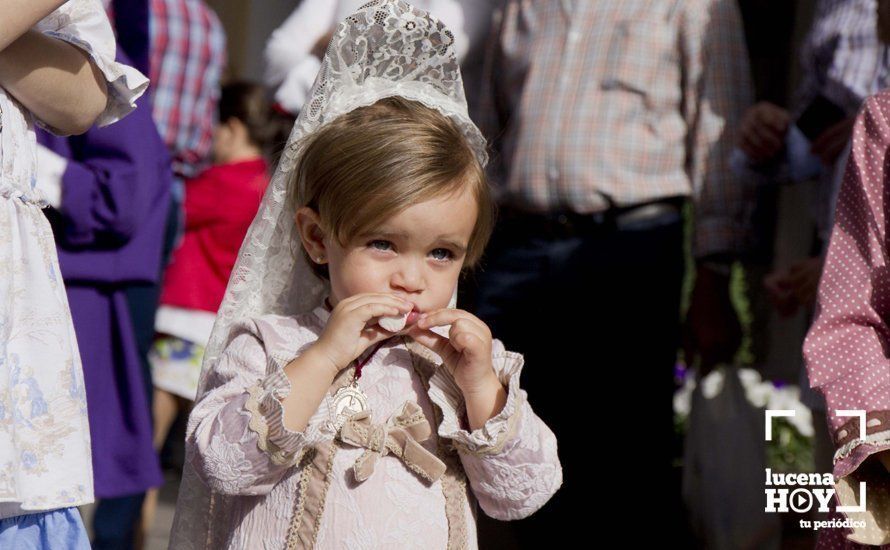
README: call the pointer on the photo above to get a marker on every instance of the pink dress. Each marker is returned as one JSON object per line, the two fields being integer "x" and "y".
{"x": 275, "y": 488}
{"x": 847, "y": 347}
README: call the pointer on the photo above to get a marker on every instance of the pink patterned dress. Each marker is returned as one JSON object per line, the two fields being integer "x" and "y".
{"x": 847, "y": 347}
{"x": 275, "y": 488}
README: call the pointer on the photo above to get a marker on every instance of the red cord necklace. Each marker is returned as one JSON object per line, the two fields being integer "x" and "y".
{"x": 350, "y": 399}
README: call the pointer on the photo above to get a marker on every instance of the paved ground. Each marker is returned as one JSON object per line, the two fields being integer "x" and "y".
{"x": 160, "y": 531}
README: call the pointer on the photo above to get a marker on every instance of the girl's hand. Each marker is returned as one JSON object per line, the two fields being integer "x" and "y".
{"x": 349, "y": 330}
{"x": 466, "y": 353}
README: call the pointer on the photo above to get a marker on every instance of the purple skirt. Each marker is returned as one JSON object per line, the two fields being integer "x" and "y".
{"x": 124, "y": 459}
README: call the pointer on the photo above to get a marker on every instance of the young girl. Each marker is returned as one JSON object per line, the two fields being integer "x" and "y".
{"x": 56, "y": 68}
{"x": 314, "y": 425}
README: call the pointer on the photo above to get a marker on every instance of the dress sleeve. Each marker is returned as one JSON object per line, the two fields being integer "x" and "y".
{"x": 236, "y": 431}
{"x": 84, "y": 24}
{"x": 51, "y": 168}
{"x": 511, "y": 461}
{"x": 846, "y": 348}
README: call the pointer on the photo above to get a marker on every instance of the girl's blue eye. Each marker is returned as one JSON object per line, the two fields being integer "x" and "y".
{"x": 448, "y": 254}
{"x": 385, "y": 243}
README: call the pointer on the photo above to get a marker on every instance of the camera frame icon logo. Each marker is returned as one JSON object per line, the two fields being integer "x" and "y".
{"x": 802, "y": 498}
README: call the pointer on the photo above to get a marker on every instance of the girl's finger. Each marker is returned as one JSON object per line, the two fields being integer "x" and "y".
{"x": 387, "y": 298}
{"x": 375, "y": 333}
{"x": 465, "y": 325}
{"x": 448, "y": 316}
{"x": 369, "y": 311}
{"x": 380, "y": 299}
{"x": 439, "y": 344}
{"x": 466, "y": 343}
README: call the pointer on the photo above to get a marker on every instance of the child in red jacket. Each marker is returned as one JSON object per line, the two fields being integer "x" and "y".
{"x": 219, "y": 205}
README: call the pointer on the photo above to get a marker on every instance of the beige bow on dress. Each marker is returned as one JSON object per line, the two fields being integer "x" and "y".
{"x": 400, "y": 436}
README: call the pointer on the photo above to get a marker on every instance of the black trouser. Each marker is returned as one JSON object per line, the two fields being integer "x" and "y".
{"x": 596, "y": 316}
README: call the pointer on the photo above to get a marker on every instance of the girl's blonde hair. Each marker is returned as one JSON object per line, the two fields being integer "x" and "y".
{"x": 371, "y": 163}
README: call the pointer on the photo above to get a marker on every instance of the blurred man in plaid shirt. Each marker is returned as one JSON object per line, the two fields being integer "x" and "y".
{"x": 188, "y": 55}
{"x": 605, "y": 119}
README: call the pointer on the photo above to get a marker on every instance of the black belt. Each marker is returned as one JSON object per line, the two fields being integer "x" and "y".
{"x": 566, "y": 224}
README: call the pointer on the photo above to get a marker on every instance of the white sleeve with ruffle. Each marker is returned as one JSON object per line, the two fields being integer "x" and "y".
{"x": 84, "y": 24}
{"x": 237, "y": 434}
{"x": 511, "y": 461}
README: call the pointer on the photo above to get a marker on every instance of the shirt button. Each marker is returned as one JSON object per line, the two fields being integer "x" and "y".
{"x": 574, "y": 36}
{"x": 553, "y": 173}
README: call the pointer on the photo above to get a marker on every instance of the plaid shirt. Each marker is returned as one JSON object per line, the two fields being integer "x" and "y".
{"x": 188, "y": 54}
{"x": 842, "y": 58}
{"x": 596, "y": 103}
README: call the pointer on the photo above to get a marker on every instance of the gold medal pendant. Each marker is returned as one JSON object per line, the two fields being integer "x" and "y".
{"x": 350, "y": 400}
{"x": 346, "y": 402}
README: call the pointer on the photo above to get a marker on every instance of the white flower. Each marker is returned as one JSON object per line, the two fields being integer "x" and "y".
{"x": 712, "y": 384}
{"x": 782, "y": 398}
{"x": 749, "y": 378}
{"x": 683, "y": 396}
{"x": 757, "y": 391}
{"x": 760, "y": 393}
{"x": 408, "y": 21}
{"x": 788, "y": 398}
